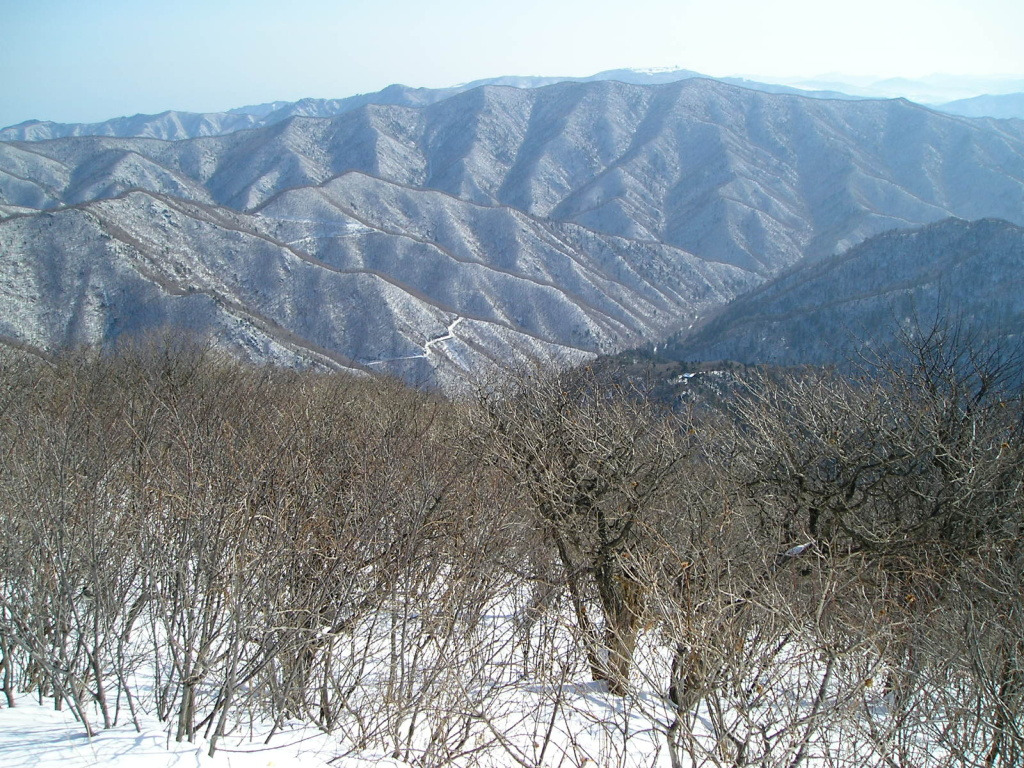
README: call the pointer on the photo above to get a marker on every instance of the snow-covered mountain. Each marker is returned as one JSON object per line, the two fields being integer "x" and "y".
{"x": 857, "y": 304}
{"x": 170, "y": 126}
{"x": 173, "y": 126}
{"x": 939, "y": 92}
{"x": 358, "y": 274}
{"x": 566, "y": 219}
{"x": 742, "y": 177}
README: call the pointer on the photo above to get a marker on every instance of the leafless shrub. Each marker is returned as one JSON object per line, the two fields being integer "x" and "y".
{"x": 595, "y": 461}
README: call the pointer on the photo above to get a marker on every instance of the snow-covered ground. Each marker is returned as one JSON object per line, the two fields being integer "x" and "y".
{"x": 586, "y": 728}
{"x": 37, "y": 736}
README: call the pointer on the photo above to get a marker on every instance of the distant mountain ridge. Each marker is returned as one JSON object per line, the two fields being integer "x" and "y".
{"x": 176, "y": 125}
{"x": 934, "y": 89}
{"x": 1004, "y": 106}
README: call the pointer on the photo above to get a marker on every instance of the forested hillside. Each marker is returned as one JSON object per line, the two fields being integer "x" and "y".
{"x": 863, "y": 303}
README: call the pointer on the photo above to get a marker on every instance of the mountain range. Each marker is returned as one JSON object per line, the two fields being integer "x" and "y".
{"x": 432, "y": 236}
{"x": 175, "y": 125}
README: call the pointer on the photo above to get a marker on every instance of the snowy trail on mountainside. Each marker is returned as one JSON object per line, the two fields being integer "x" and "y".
{"x": 427, "y": 346}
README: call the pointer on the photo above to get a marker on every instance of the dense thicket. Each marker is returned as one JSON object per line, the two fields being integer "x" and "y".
{"x": 816, "y": 569}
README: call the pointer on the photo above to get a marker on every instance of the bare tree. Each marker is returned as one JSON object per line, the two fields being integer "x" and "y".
{"x": 596, "y": 461}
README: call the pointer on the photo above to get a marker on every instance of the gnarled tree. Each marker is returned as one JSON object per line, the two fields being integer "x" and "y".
{"x": 596, "y": 461}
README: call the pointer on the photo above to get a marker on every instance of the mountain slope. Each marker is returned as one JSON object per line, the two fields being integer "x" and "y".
{"x": 833, "y": 310}
{"x": 308, "y": 280}
{"x": 750, "y": 179}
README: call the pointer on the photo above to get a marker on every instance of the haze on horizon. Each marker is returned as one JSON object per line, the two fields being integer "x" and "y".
{"x": 70, "y": 61}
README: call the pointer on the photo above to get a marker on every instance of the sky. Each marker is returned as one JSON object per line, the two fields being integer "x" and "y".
{"x": 89, "y": 60}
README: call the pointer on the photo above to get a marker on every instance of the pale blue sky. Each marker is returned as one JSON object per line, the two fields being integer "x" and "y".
{"x": 88, "y": 60}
